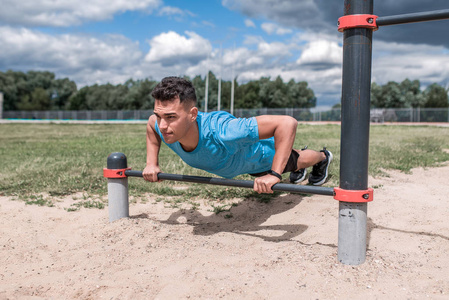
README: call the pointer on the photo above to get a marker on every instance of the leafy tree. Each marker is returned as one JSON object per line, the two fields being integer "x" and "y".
{"x": 140, "y": 94}
{"x": 37, "y": 100}
{"x": 336, "y": 106}
{"x": 394, "y": 95}
{"x": 413, "y": 97}
{"x": 390, "y": 96}
{"x": 129, "y": 96}
{"x": 436, "y": 96}
{"x": 272, "y": 93}
{"x": 200, "y": 89}
{"x": 61, "y": 90}
{"x": 300, "y": 95}
{"x": 226, "y": 94}
{"x": 213, "y": 92}
{"x": 35, "y": 90}
{"x": 247, "y": 95}
{"x": 9, "y": 90}
{"x": 78, "y": 100}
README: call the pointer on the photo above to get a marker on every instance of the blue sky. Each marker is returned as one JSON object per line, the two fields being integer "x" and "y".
{"x": 100, "y": 41}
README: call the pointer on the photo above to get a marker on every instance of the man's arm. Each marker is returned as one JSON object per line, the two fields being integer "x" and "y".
{"x": 153, "y": 145}
{"x": 283, "y": 128}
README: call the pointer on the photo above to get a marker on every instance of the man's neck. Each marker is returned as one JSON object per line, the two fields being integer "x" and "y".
{"x": 190, "y": 141}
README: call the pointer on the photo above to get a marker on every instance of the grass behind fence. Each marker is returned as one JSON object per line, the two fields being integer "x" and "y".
{"x": 62, "y": 159}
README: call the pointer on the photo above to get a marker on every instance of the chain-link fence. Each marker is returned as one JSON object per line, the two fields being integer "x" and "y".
{"x": 377, "y": 115}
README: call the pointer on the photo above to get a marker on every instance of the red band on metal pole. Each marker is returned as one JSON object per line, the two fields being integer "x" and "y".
{"x": 353, "y": 195}
{"x": 357, "y": 21}
{"x": 114, "y": 173}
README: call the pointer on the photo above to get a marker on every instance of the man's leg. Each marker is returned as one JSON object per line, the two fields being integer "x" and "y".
{"x": 320, "y": 162}
{"x": 308, "y": 158}
{"x": 298, "y": 169}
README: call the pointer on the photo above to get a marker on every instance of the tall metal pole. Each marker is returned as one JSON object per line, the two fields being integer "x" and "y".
{"x": 206, "y": 93}
{"x": 232, "y": 94}
{"x": 219, "y": 80}
{"x": 232, "y": 88}
{"x": 355, "y": 122}
{"x": 219, "y": 94}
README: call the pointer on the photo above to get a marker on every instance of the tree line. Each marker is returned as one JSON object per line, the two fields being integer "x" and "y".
{"x": 40, "y": 90}
{"x": 36, "y": 90}
{"x": 408, "y": 94}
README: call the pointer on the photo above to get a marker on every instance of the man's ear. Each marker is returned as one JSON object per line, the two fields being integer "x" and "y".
{"x": 193, "y": 113}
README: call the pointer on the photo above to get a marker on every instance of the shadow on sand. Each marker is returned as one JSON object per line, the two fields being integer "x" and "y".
{"x": 247, "y": 218}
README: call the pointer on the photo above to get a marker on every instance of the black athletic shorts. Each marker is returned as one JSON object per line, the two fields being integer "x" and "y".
{"x": 291, "y": 166}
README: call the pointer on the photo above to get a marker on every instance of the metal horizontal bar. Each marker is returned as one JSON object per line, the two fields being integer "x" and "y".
{"x": 282, "y": 187}
{"x": 414, "y": 17}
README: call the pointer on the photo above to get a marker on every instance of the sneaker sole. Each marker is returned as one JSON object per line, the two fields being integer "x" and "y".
{"x": 300, "y": 179}
{"x": 330, "y": 158}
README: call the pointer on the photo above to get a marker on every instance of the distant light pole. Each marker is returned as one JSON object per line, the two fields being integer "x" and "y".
{"x": 232, "y": 88}
{"x": 232, "y": 93}
{"x": 219, "y": 80}
{"x": 206, "y": 93}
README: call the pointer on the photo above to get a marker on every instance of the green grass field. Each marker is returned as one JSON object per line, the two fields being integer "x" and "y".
{"x": 62, "y": 159}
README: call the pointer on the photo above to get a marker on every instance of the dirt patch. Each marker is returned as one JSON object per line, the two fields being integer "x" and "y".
{"x": 285, "y": 249}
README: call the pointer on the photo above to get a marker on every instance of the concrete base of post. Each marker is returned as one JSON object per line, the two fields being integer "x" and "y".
{"x": 118, "y": 203}
{"x": 352, "y": 230}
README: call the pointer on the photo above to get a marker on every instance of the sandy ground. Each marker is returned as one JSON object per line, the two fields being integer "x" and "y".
{"x": 286, "y": 249}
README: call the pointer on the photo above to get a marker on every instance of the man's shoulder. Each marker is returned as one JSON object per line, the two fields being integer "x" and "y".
{"x": 215, "y": 117}
{"x": 152, "y": 121}
{"x": 216, "y": 114}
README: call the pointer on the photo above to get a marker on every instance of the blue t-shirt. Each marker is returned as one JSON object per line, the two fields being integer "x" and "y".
{"x": 227, "y": 146}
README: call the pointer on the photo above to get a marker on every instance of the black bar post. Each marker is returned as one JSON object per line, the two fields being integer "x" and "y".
{"x": 413, "y": 18}
{"x": 281, "y": 187}
{"x": 355, "y": 122}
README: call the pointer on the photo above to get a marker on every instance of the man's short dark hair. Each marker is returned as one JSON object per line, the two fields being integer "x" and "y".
{"x": 171, "y": 87}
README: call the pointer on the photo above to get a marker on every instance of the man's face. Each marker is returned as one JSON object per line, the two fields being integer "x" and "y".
{"x": 174, "y": 119}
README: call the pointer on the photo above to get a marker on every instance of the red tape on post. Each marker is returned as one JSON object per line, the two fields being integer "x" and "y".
{"x": 357, "y": 21}
{"x": 114, "y": 173}
{"x": 353, "y": 195}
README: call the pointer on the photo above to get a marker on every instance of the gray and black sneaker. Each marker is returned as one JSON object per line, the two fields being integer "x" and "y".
{"x": 298, "y": 176}
{"x": 320, "y": 170}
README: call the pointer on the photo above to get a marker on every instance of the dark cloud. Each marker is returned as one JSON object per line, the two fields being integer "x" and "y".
{"x": 431, "y": 33}
{"x": 322, "y": 15}
{"x": 299, "y": 14}
{"x": 319, "y": 66}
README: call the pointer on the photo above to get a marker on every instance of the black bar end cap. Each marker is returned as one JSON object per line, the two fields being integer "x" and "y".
{"x": 117, "y": 160}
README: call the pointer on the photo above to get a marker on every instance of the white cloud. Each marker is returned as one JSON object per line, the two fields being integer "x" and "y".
{"x": 249, "y": 23}
{"x": 170, "y": 49}
{"x": 396, "y": 62}
{"x": 315, "y": 58}
{"x": 321, "y": 52}
{"x": 79, "y": 57}
{"x": 276, "y": 49}
{"x": 67, "y": 12}
{"x": 271, "y": 28}
{"x": 174, "y": 11}
{"x": 169, "y": 10}
{"x": 253, "y": 40}
{"x": 208, "y": 24}
{"x": 236, "y": 56}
